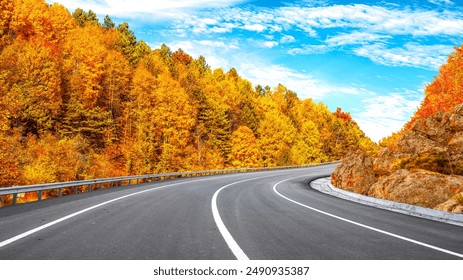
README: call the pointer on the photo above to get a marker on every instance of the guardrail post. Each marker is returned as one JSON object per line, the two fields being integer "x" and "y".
{"x": 15, "y": 198}
{"x": 89, "y": 186}
{"x": 60, "y": 192}
{"x": 76, "y": 189}
{"x": 40, "y": 196}
{"x": 101, "y": 186}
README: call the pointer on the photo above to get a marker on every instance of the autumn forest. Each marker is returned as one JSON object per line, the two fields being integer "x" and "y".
{"x": 82, "y": 99}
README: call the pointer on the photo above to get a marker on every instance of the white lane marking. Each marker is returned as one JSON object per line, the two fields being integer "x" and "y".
{"x": 362, "y": 225}
{"x": 32, "y": 231}
{"x": 234, "y": 247}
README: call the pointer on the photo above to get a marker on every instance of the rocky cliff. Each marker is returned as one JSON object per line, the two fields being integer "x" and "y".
{"x": 424, "y": 167}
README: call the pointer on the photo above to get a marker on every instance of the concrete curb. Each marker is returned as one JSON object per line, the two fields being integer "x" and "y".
{"x": 323, "y": 185}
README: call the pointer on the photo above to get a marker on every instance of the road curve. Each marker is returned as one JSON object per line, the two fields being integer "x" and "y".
{"x": 263, "y": 215}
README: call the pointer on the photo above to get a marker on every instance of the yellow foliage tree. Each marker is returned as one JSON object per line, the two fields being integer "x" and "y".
{"x": 244, "y": 149}
{"x": 116, "y": 82}
{"x": 276, "y": 136}
{"x": 11, "y": 157}
{"x": 6, "y": 13}
{"x": 307, "y": 148}
{"x": 53, "y": 160}
{"x": 31, "y": 85}
{"x": 446, "y": 91}
{"x": 83, "y": 65}
{"x": 164, "y": 118}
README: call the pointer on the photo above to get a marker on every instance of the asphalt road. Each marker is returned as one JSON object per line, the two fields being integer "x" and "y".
{"x": 265, "y": 215}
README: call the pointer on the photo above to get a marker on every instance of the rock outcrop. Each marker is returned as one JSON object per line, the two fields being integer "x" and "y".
{"x": 424, "y": 167}
{"x": 355, "y": 174}
{"x": 454, "y": 204}
{"x": 419, "y": 187}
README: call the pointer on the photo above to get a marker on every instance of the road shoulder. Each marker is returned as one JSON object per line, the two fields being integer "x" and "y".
{"x": 323, "y": 185}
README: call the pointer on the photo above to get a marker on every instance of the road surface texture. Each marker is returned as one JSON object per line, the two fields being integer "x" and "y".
{"x": 264, "y": 215}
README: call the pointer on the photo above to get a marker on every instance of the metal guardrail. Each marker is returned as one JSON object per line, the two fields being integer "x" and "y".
{"x": 99, "y": 184}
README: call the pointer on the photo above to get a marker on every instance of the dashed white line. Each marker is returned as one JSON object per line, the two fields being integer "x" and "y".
{"x": 363, "y": 225}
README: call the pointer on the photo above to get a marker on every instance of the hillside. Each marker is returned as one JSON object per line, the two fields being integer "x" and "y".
{"x": 423, "y": 163}
{"x": 82, "y": 99}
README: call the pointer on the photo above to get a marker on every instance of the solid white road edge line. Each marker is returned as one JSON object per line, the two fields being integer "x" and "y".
{"x": 362, "y": 225}
{"x": 32, "y": 231}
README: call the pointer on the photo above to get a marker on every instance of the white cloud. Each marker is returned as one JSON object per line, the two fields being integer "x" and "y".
{"x": 355, "y": 38}
{"x": 208, "y": 21}
{"x": 127, "y": 7}
{"x": 309, "y": 49}
{"x": 287, "y": 39}
{"x": 263, "y": 44}
{"x": 269, "y": 44}
{"x": 412, "y": 54}
{"x": 384, "y": 115}
{"x": 364, "y": 30}
{"x": 305, "y": 85}
{"x": 219, "y": 44}
{"x": 254, "y": 27}
{"x": 269, "y": 37}
{"x": 375, "y": 19}
{"x": 217, "y": 52}
{"x": 441, "y": 2}
{"x": 364, "y": 18}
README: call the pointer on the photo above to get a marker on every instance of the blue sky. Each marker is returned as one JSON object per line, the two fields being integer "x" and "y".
{"x": 371, "y": 58}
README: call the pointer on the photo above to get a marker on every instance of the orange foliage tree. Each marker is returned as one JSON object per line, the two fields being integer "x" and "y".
{"x": 445, "y": 91}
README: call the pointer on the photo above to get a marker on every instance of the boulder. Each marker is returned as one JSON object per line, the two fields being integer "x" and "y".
{"x": 454, "y": 204}
{"x": 417, "y": 187}
{"x": 456, "y": 122}
{"x": 435, "y": 128}
{"x": 355, "y": 173}
{"x": 455, "y": 152}
{"x": 383, "y": 162}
